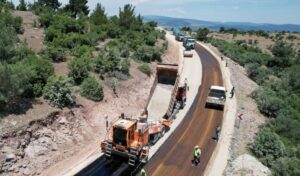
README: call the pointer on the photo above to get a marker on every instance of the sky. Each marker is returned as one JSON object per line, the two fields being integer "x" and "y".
{"x": 257, "y": 11}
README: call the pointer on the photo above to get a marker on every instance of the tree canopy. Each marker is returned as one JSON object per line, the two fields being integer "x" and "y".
{"x": 77, "y": 7}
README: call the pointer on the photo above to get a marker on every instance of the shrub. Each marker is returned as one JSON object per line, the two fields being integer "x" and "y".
{"x": 145, "y": 68}
{"x": 286, "y": 166}
{"x": 84, "y": 50}
{"x": 281, "y": 49}
{"x": 268, "y": 147}
{"x": 46, "y": 19}
{"x": 100, "y": 65}
{"x": 79, "y": 69}
{"x": 147, "y": 54}
{"x": 125, "y": 66}
{"x": 59, "y": 92}
{"x": 51, "y": 34}
{"x": 41, "y": 70}
{"x": 91, "y": 89}
{"x": 56, "y": 54}
{"x": 15, "y": 79}
{"x": 113, "y": 82}
{"x": 268, "y": 103}
{"x": 150, "y": 40}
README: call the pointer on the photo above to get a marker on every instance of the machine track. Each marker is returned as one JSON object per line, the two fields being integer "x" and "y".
{"x": 198, "y": 127}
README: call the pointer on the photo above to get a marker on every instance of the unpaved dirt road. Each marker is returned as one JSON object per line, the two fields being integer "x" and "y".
{"x": 198, "y": 127}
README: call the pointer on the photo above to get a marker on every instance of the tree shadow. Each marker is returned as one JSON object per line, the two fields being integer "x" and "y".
{"x": 18, "y": 107}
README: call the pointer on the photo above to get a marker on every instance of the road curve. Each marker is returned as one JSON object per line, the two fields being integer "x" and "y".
{"x": 198, "y": 127}
{"x": 175, "y": 155}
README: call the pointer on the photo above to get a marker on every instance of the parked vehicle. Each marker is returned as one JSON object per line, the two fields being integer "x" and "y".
{"x": 216, "y": 97}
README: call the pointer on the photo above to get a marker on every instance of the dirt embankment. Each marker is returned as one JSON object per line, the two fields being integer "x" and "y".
{"x": 47, "y": 140}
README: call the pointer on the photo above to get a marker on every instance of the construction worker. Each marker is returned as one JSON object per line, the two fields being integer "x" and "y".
{"x": 218, "y": 132}
{"x": 232, "y": 92}
{"x": 197, "y": 154}
{"x": 186, "y": 84}
{"x": 143, "y": 173}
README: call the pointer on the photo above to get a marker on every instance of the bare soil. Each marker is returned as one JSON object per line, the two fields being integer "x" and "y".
{"x": 33, "y": 36}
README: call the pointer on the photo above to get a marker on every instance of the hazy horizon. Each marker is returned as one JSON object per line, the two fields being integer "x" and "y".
{"x": 250, "y": 11}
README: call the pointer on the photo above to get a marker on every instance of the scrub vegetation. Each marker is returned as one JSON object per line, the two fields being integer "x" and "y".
{"x": 277, "y": 144}
{"x": 73, "y": 36}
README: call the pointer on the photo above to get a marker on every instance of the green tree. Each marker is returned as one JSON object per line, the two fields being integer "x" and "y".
{"x": 22, "y": 5}
{"x": 187, "y": 29}
{"x": 79, "y": 69}
{"x": 153, "y": 24}
{"x": 98, "y": 17}
{"x": 202, "y": 34}
{"x": 127, "y": 16}
{"x": 113, "y": 60}
{"x": 222, "y": 29}
{"x": 59, "y": 92}
{"x": 14, "y": 81}
{"x": 281, "y": 49}
{"x": 7, "y": 43}
{"x": 41, "y": 70}
{"x": 54, "y": 4}
{"x": 77, "y": 7}
{"x": 91, "y": 89}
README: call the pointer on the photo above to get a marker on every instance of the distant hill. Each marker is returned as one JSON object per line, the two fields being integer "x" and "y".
{"x": 180, "y": 22}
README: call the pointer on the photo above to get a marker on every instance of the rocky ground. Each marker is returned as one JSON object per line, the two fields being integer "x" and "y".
{"x": 252, "y": 119}
{"x": 27, "y": 151}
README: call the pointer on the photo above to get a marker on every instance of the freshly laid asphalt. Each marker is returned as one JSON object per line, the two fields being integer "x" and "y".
{"x": 197, "y": 128}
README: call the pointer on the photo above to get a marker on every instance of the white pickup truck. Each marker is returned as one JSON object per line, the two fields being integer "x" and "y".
{"x": 216, "y": 97}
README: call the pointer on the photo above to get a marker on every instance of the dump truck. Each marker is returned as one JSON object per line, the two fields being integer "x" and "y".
{"x": 132, "y": 137}
{"x": 180, "y": 97}
{"x": 216, "y": 97}
{"x": 180, "y": 36}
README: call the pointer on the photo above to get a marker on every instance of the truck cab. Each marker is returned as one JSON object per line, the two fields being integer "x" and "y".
{"x": 189, "y": 42}
{"x": 216, "y": 97}
{"x": 180, "y": 36}
{"x": 127, "y": 138}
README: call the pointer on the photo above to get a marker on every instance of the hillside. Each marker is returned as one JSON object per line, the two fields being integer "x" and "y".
{"x": 180, "y": 22}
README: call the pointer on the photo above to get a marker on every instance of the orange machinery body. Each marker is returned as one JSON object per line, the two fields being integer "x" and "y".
{"x": 130, "y": 138}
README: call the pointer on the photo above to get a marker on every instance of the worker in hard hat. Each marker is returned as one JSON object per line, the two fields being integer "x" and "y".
{"x": 197, "y": 154}
{"x": 143, "y": 173}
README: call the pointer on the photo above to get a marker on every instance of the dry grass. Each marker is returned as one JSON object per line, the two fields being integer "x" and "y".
{"x": 262, "y": 42}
